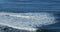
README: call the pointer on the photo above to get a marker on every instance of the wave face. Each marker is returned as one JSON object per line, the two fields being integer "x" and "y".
{"x": 26, "y": 21}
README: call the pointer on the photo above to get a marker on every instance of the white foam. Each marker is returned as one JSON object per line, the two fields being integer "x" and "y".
{"x": 26, "y": 21}
{"x": 22, "y": 28}
{"x": 21, "y": 16}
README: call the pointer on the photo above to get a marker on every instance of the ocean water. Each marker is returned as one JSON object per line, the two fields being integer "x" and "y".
{"x": 30, "y": 21}
{"x": 29, "y": 15}
{"x": 29, "y": 5}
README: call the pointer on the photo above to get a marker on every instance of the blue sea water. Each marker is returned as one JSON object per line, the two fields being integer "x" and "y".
{"x": 29, "y": 5}
{"x": 33, "y": 6}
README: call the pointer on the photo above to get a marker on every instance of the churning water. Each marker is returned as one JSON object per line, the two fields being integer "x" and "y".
{"x": 27, "y": 21}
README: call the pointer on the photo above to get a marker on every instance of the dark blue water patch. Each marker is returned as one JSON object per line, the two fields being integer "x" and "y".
{"x": 29, "y": 5}
{"x": 29, "y": 0}
{"x": 51, "y": 30}
{"x": 54, "y": 28}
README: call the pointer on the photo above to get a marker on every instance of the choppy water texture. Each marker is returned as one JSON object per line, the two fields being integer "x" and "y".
{"x": 26, "y": 21}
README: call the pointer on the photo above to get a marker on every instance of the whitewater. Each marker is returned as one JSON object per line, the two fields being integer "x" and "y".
{"x": 26, "y": 21}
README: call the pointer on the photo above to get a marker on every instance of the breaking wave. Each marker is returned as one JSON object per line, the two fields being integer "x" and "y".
{"x": 26, "y": 21}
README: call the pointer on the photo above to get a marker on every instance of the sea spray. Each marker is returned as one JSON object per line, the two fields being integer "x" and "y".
{"x": 26, "y": 21}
